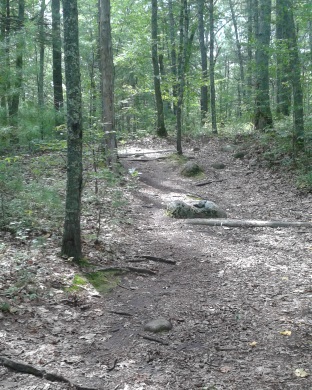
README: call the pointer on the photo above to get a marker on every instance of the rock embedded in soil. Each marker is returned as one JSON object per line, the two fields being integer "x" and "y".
{"x": 198, "y": 209}
{"x": 190, "y": 169}
{"x": 158, "y": 325}
{"x": 218, "y": 165}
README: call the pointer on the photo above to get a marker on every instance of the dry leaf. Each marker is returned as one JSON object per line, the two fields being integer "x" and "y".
{"x": 286, "y": 332}
{"x": 301, "y": 373}
{"x": 253, "y": 344}
{"x": 225, "y": 369}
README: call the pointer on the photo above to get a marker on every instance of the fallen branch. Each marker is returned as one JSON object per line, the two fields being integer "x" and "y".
{"x": 247, "y": 223}
{"x": 204, "y": 183}
{"x": 121, "y": 313}
{"x": 137, "y": 154}
{"x": 28, "y": 369}
{"x": 156, "y": 339}
{"x": 152, "y": 258}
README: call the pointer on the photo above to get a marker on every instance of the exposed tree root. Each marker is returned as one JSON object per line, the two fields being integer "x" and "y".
{"x": 28, "y": 369}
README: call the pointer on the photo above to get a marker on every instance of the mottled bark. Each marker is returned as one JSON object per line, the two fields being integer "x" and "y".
{"x": 71, "y": 243}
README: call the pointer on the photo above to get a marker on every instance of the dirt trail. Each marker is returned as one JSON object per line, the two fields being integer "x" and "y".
{"x": 239, "y": 299}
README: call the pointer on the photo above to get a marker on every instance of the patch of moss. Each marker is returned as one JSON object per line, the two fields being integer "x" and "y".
{"x": 178, "y": 158}
{"x": 103, "y": 281}
{"x": 78, "y": 281}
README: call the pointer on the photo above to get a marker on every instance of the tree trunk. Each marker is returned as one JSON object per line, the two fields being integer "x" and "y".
{"x": 14, "y": 104}
{"x": 41, "y": 66}
{"x": 263, "y": 116}
{"x": 57, "y": 62}
{"x": 71, "y": 243}
{"x": 173, "y": 55}
{"x": 3, "y": 70}
{"x": 160, "y": 123}
{"x": 204, "y": 63}
{"x": 181, "y": 70}
{"x": 241, "y": 85}
{"x": 212, "y": 69}
{"x": 107, "y": 84}
{"x": 283, "y": 89}
{"x": 295, "y": 75}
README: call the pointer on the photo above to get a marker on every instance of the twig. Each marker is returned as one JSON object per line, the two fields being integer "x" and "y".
{"x": 204, "y": 183}
{"x": 113, "y": 367}
{"x": 156, "y": 339}
{"x": 153, "y": 258}
{"x": 121, "y": 313}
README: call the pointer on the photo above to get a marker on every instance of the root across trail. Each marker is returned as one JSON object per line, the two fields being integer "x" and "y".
{"x": 238, "y": 300}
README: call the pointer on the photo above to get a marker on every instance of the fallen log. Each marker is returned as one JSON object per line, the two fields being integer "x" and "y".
{"x": 246, "y": 223}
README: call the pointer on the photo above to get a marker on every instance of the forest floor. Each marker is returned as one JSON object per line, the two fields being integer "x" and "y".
{"x": 239, "y": 299}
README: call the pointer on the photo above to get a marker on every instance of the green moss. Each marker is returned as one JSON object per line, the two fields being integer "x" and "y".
{"x": 103, "y": 281}
{"x": 178, "y": 158}
{"x": 78, "y": 281}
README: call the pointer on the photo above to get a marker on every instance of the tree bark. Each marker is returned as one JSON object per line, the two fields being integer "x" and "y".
{"x": 71, "y": 243}
{"x": 57, "y": 62}
{"x": 212, "y": 69}
{"x": 204, "y": 63}
{"x": 263, "y": 116}
{"x": 160, "y": 122}
{"x": 107, "y": 84}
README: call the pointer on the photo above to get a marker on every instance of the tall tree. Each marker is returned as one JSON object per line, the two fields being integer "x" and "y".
{"x": 204, "y": 62}
{"x": 41, "y": 64}
{"x": 183, "y": 32}
{"x": 160, "y": 123}
{"x": 57, "y": 60}
{"x": 71, "y": 243}
{"x": 212, "y": 68}
{"x": 107, "y": 83}
{"x": 20, "y": 44}
{"x": 173, "y": 54}
{"x": 283, "y": 87}
{"x": 295, "y": 75}
{"x": 241, "y": 86}
{"x": 263, "y": 115}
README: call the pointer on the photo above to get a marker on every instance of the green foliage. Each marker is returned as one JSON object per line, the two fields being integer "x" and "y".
{"x": 27, "y": 204}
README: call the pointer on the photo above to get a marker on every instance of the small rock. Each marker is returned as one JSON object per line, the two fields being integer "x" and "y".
{"x": 158, "y": 325}
{"x": 191, "y": 168}
{"x": 218, "y": 166}
{"x": 240, "y": 154}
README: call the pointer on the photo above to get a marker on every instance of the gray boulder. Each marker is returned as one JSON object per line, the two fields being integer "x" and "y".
{"x": 190, "y": 169}
{"x": 158, "y": 325}
{"x": 198, "y": 209}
